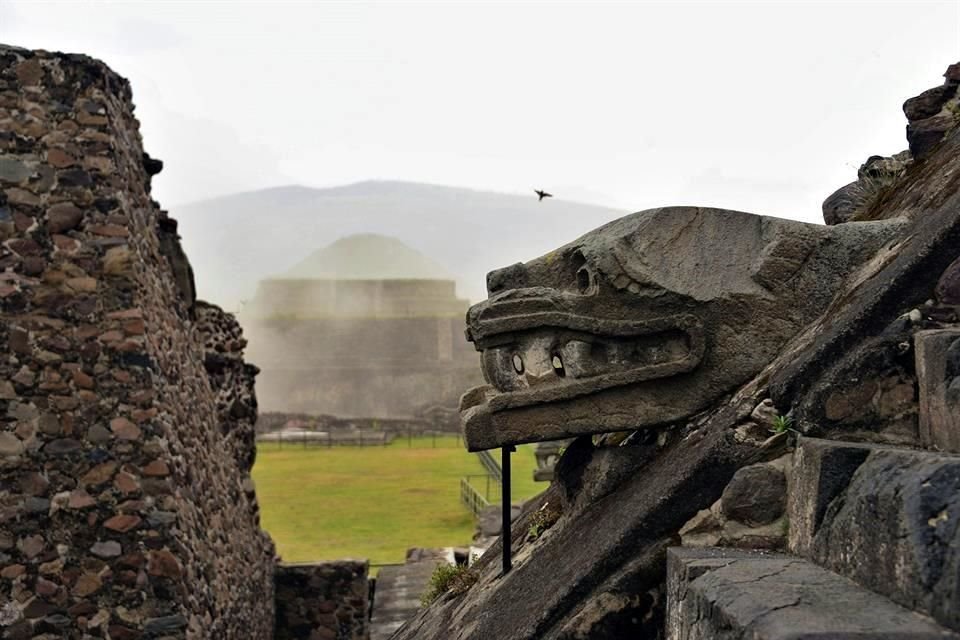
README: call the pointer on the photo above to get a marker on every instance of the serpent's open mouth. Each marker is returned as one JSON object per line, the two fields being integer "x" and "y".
{"x": 553, "y": 356}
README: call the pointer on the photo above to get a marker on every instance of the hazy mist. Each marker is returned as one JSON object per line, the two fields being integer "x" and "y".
{"x": 765, "y": 107}
{"x": 235, "y": 241}
{"x": 761, "y": 107}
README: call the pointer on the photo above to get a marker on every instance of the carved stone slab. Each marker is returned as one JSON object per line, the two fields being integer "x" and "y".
{"x": 648, "y": 319}
{"x": 938, "y": 376}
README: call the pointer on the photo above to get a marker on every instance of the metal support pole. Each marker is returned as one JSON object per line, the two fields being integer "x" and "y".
{"x": 507, "y": 510}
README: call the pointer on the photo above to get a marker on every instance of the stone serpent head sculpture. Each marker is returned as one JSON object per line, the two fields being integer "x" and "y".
{"x": 648, "y": 319}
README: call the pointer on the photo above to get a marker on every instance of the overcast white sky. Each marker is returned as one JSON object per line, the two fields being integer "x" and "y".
{"x": 765, "y": 107}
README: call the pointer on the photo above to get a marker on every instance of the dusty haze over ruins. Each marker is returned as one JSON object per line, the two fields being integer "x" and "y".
{"x": 365, "y": 327}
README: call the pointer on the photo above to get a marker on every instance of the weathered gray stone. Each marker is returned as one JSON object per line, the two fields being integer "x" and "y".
{"x": 49, "y": 424}
{"x": 643, "y": 322}
{"x": 703, "y": 529}
{"x": 14, "y": 171}
{"x": 98, "y": 434}
{"x": 10, "y": 445}
{"x": 924, "y": 135}
{"x": 896, "y": 531}
{"x": 106, "y": 549}
{"x": 164, "y": 624}
{"x": 765, "y": 414}
{"x": 749, "y": 513}
{"x": 948, "y": 286}
{"x": 710, "y": 529}
{"x": 822, "y": 469}
{"x": 726, "y": 595}
{"x": 853, "y": 201}
{"x": 756, "y": 495}
{"x": 929, "y": 103}
{"x": 37, "y": 505}
{"x": 61, "y": 447}
{"x": 859, "y": 336}
{"x": 952, "y": 74}
{"x": 938, "y": 377}
{"x": 161, "y": 518}
{"x": 63, "y": 217}
{"x": 892, "y": 523}
{"x": 587, "y": 473}
{"x": 846, "y": 202}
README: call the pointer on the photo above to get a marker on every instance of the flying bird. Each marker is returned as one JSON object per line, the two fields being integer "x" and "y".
{"x": 542, "y": 194}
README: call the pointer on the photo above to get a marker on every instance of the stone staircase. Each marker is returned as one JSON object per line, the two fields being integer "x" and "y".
{"x": 398, "y": 589}
{"x": 728, "y": 593}
{"x": 874, "y": 552}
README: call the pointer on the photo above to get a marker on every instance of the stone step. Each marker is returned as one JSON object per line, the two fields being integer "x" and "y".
{"x": 399, "y": 588}
{"x": 938, "y": 380}
{"x": 729, "y": 594}
{"x": 885, "y": 517}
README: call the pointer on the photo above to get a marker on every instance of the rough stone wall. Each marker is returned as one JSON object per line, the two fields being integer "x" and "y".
{"x": 326, "y": 601}
{"x": 125, "y": 505}
{"x": 232, "y": 380}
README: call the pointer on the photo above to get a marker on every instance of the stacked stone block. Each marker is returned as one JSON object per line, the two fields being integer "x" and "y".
{"x": 327, "y": 601}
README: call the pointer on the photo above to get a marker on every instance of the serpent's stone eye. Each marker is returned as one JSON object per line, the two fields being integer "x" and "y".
{"x": 584, "y": 279}
{"x": 581, "y": 272}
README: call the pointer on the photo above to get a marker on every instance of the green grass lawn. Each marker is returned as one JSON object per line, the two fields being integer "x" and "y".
{"x": 374, "y": 502}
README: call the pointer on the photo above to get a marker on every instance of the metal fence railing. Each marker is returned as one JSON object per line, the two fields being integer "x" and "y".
{"x": 306, "y": 438}
{"x": 473, "y": 499}
{"x": 357, "y": 438}
{"x": 491, "y": 465}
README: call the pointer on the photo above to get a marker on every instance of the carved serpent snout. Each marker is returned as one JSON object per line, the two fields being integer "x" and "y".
{"x": 647, "y": 320}
{"x": 537, "y": 344}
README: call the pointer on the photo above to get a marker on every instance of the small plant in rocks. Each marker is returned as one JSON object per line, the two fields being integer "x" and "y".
{"x": 782, "y": 424}
{"x": 545, "y": 517}
{"x": 448, "y": 578}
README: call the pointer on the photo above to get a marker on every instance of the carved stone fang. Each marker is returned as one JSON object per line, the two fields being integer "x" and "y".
{"x": 649, "y": 361}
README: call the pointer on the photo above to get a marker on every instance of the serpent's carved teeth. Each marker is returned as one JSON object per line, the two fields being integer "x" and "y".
{"x": 538, "y": 358}
{"x": 558, "y": 366}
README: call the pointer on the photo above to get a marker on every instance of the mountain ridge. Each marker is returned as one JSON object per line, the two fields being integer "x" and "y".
{"x": 366, "y": 188}
{"x": 236, "y": 240}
